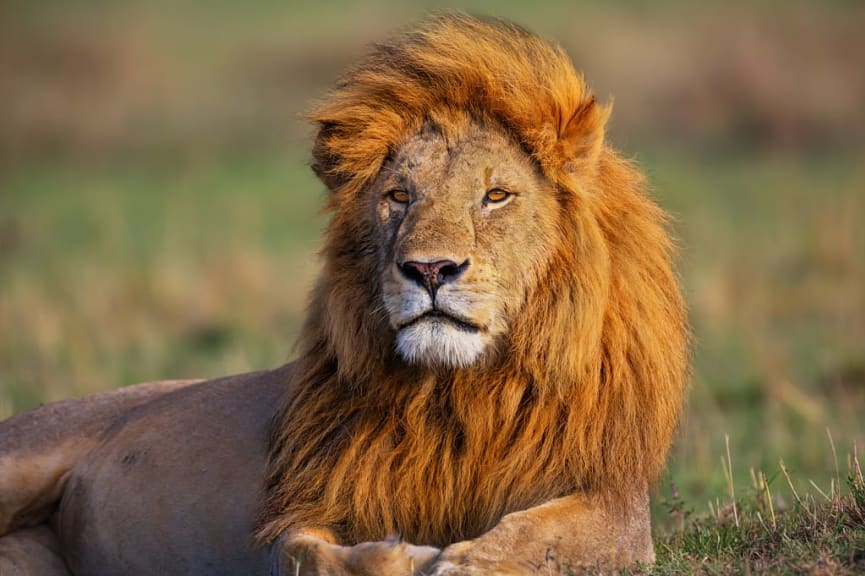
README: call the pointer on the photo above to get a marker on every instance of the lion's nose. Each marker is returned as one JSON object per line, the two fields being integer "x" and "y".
{"x": 432, "y": 275}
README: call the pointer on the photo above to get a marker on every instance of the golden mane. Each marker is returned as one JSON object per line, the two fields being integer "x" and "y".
{"x": 587, "y": 394}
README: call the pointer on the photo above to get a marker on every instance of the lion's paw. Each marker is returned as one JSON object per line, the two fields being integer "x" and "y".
{"x": 464, "y": 559}
{"x": 448, "y": 569}
{"x": 310, "y": 555}
{"x": 390, "y": 557}
{"x": 444, "y": 568}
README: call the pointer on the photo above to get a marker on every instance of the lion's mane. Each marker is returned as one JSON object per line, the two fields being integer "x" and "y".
{"x": 588, "y": 389}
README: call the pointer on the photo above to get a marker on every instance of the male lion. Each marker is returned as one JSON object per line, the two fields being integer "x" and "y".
{"x": 489, "y": 377}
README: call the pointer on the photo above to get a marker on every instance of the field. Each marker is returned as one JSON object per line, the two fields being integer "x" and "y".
{"x": 158, "y": 219}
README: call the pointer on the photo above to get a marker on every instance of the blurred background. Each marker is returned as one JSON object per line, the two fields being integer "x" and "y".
{"x": 158, "y": 218}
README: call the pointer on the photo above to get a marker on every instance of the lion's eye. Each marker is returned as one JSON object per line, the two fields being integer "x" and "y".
{"x": 399, "y": 196}
{"x": 496, "y": 195}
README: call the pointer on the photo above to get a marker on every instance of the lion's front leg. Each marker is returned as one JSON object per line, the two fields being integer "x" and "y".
{"x": 315, "y": 553}
{"x": 555, "y": 537}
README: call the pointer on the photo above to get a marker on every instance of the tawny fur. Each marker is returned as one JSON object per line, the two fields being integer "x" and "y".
{"x": 587, "y": 389}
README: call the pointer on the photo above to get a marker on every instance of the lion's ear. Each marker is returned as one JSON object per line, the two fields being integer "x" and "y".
{"x": 581, "y": 138}
{"x": 325, "y": 162}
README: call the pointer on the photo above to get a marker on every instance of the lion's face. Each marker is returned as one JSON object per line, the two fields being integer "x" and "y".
{"x": 465, "y": 218}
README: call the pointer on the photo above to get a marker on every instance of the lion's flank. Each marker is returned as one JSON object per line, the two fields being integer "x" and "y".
{"x": 589, "y": 391}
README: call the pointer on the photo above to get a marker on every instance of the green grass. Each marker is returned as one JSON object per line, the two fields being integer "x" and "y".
{"x": 775, "y": 529}
{"x": 123, "y": 273}
{"x": 773, "y": 273}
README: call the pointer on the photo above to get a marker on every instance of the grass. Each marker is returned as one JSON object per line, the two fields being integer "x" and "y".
{"x": 114, "y": 275}
{"x": 822, "y": 532}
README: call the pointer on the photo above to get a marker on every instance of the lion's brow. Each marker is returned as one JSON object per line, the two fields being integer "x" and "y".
{"x": 387, "y": 169}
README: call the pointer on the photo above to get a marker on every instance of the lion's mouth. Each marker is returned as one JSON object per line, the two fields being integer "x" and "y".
{"x": 438, "y": 315}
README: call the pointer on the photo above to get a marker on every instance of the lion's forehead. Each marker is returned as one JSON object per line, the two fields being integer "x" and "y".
{"x": 472, "y": 158}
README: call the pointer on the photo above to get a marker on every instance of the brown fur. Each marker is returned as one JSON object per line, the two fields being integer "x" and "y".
{"x": 587, "y": 391}
{"x": 39, "y": 448}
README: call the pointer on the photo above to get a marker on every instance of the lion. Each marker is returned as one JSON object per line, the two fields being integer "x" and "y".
{"x": 488, "y": 379}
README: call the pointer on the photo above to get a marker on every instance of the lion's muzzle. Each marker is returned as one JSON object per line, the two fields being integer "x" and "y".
{"x": 432, "y": 275}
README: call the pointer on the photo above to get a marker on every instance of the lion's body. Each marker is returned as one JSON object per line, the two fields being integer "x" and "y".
{"x": 493, "y": 362}
{"x": 139, "y": 504}
{"x": 134, "y": 499}
{"x": 38, "y": 449}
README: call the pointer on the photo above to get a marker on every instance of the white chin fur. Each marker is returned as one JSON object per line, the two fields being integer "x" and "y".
{"x": 437, "y": 343}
